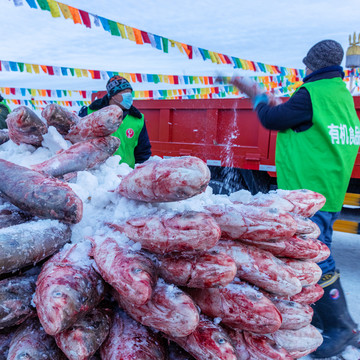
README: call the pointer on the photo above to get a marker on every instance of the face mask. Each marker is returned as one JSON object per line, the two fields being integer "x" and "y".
{"x": 127, "y": 100}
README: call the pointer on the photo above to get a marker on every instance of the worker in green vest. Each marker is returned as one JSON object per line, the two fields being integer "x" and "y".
{"x": 4, "y": 112}
{"x": 317, "y": 144}
{"x": 135, "y": 145}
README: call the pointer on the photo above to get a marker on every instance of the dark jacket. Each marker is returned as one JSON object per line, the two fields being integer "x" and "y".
{"x": 142, "y": 152}
{"x": 297, "y": 112}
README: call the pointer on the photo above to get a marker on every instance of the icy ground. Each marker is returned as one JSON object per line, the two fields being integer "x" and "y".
{"x": 346, "y": 248}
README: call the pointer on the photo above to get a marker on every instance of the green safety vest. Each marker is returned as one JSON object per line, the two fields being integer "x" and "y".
{"x": 128, "y": 133}
{"x": 4, "y": 112}
{"x": 321, "y": 158}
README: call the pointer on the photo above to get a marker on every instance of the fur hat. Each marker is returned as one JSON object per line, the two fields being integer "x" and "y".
{"x": 323, "y": 54}
{"x": 116, "y": 84}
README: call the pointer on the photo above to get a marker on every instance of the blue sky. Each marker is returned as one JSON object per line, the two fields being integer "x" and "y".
{"x": 274, "y": 32}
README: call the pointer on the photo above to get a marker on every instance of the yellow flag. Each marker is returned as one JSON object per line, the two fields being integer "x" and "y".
{"x": 166, "y": 79}
{"x": 121, "y": 28}
{"x": 84, "y": 73}
{"x": 65, "y": 11}
{"x": 130, "y": 32}
{"x": 179, "y": 46}
{"x": 78, "y": 72}
{"x": 212, "y": 56}
{"x": 36, "y": 68}
{"x": 28, "y": 68}
{"x": 54, "y": 8}
{"x": 33, "y": 92}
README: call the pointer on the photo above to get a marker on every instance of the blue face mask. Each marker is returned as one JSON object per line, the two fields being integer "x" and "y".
{"x": 127, "y": 100}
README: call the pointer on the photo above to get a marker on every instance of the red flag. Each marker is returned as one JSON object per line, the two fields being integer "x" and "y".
{"x": 151, "y": 94}
{"x": 190, "y": 52}
{"x": 227, "y": 59}
{"x": 145, "y": 37}
{"x": 138, "y": 77}
{"x": 176, "y": 79}
{"x": 85, "y": 18}
{"x": 48, "y": 93}
{"x": 97, "y": 74}
{"x": 50, "y": 70}
{"x": 0, "y": 65}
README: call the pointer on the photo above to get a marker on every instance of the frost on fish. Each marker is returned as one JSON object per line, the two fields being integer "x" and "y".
{"x": 238, "y": 341}
{"x": 168, "y": 233}
{"x": 41, "y": 196}
{"x": 252, "y": 222}
{"x": 129, "y": 272}
{"x": 294, "y": 315}
{"x": 240, "y": 306}
{"x": 129, "y": 340}
{"x": 309, "y": 294}
{"x": 166, "y": 180}
{"x": 306, "y": 227}
{"x": 324, "y": 252}
{"x": 57, "y": 116}
{"x": 84, "y": 338}
{"x": 4, "y": 136}
{"x": 197, "y": 269}
{"x": 67, "y": 288}
{"x": 28, "y": 243}
{"x": 169, "y": 310}
{"x": 11, "y": 215}
{"x": 299, "y": 342}
{"x": 25, "y": 127}
{"x": 30, "y": 342}
{"x": 100, "y": 123}
{"x": 5, "y": 339}
{"x": 296, "y": 247}
{"x": 207, "y": 341}
{"x": 306, "y": 202}
{"x": 308, "y": 272}
{"x": 81, "y": 156}
{"x": 263, "y": 347}
{"x": 15, "y": 300}
{"x": 261, "y": 268}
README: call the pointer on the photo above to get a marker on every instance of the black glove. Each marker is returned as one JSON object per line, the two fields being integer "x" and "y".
{"x": 1, "y": 98}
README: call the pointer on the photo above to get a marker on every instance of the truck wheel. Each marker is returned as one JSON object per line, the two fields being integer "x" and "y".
{"x": 225, "y": 181}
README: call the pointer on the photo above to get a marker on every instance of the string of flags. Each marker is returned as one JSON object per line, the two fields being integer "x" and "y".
{"x": 268, "y": 81}
{"x": 158, "y": 42}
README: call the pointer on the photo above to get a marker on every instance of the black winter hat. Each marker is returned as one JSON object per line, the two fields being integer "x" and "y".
{"x": 323, "y": 54}
{"x": 116, "y": 84}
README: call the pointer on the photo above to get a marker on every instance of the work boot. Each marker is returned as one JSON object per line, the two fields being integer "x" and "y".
{"x": 332, "y": 316}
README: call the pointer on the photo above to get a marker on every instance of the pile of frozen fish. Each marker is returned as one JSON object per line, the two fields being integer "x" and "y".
{"x": 99, "y": 261}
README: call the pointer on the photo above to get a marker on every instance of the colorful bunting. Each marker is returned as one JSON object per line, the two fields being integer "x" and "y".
{"x": 141, "y": 37}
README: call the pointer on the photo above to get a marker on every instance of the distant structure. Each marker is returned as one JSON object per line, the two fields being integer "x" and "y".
{"x": 353, "y": 58}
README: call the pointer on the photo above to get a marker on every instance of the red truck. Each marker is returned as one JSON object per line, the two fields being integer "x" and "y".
{"x": 223, "y": 132}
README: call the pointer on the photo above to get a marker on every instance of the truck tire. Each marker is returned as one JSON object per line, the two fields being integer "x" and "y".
{"x": 225, "y": 181}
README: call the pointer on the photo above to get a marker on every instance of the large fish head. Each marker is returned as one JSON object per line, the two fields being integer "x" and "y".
{"x": 108, "y": 144}
{"x": 215, "y": 340}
